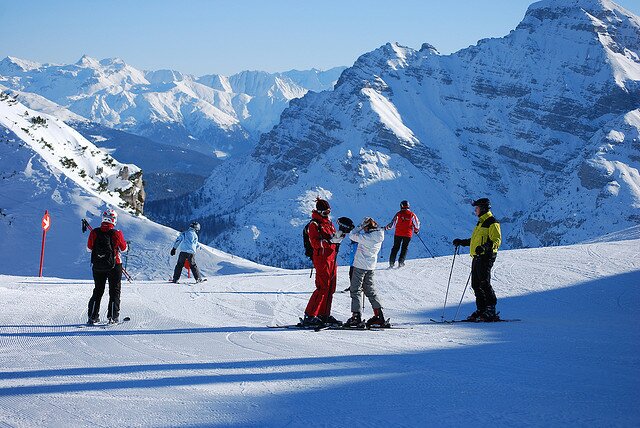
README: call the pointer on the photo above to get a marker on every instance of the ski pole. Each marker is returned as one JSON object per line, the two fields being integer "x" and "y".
{"x": 126, "y": 256}
{"x": 449, "y": 282}
{"x": 462, "y": 297}
{"x": 126, "y": 274}
{"x": 425, "y": 246}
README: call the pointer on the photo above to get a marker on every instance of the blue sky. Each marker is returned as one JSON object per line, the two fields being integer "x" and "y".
{"x": 215, "y": 36}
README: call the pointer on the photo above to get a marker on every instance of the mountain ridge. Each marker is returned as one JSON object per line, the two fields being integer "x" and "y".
{"x": 210, "y": 114}
{"x": 543, "y": 121}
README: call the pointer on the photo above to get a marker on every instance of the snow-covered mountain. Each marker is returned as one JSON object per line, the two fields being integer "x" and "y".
{"x": 47, "y": 165}
{"x": 67, "y": 154}
{"x": 212, "y": 114}
{"x": 169, "y": 171}
{"x": 544, "y": 121}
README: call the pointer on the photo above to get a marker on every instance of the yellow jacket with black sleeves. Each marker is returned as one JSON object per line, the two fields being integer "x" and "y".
{"x": 486, "y": 234}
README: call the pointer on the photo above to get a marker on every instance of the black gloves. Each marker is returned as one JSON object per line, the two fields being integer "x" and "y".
{"x": 173, "y": 251}
{"x": 457, "y": 242}
{"x": 484, "y": 249}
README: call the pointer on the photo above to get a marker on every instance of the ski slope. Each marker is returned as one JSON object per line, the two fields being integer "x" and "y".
{"x": 201, "y": 355}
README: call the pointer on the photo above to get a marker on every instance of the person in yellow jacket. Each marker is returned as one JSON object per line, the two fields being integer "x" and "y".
{"x": 484, "y": 242}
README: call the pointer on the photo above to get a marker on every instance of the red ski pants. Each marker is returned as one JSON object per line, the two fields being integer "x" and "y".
{"x": 326, "y": 273}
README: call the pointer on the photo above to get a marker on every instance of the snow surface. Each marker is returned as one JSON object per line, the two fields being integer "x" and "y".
{"x": 201, "y": 355}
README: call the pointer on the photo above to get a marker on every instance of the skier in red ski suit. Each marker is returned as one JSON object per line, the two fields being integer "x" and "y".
{"x": 113, "y": 273}
{"x": 325, "y": 242}
{"x": 406, "y": 223}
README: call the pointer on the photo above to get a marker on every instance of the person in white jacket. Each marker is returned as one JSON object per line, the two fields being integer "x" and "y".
{"x": 187, "y": 243}
{"x": 369, "y": 238}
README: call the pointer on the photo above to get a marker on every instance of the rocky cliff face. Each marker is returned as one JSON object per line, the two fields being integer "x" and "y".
{"x": 543, "y": 121}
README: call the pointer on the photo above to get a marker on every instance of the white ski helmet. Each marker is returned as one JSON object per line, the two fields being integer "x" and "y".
{"x": 110, "y": 216}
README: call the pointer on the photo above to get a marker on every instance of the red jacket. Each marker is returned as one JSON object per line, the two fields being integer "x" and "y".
{"x": 405, "y": 222}
{"x": 320, "y": 237}
{"x": 119, "y": 244}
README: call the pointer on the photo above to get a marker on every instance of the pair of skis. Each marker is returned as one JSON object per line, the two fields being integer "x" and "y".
{"x": 473, "y": 321}
{"x": 362, "y": 327}
{"x": 188, "y": 283}
{"x": 105, "y": 325}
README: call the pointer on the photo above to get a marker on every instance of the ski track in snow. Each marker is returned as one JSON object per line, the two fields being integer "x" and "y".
{"x": 201, "y": 354}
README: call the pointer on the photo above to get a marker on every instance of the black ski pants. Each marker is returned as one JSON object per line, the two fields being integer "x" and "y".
{"x": 399, "y": 241}
{"x": 192, "y": 262}
{"x": 481, "y": 281}
{"x": 114, "y": 276}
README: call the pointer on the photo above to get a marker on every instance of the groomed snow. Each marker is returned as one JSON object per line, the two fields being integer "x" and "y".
{"x": 201, "y": 355}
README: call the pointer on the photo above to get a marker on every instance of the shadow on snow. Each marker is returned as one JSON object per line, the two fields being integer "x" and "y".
{"x": 575, "y": 359}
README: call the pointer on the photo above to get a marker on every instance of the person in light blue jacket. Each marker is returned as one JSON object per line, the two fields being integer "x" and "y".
{"x": 187, "y": 243}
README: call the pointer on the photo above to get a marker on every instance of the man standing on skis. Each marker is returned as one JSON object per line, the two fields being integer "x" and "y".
{"x": 105, "y": 244}
{"x": 485, "y": 241}
{"x": 325, "y": 241}
{"x": 187, "y": 243}
{"x": 406, "y": 224}
{"x": 369, "y": 238}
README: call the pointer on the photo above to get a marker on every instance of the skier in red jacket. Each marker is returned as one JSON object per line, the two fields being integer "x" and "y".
{"x": 325, "y": 241}
{"x": 105, "y": 244}
{"x": 406, "y": 224}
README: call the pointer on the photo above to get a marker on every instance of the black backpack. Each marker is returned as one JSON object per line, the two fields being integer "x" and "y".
{"x": 103, "y": 256}
{"x": 308, "y": 249}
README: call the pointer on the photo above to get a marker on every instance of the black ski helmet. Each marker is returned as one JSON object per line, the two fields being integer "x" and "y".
{"x": 404, "y": 204}
{"x": 483, "y": 203}
{"x": 322, "y": 206}
{"x": 195, "y": 226}
{"x": 345, "y": 224}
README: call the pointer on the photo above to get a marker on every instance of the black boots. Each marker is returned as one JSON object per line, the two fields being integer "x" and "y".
{"x": 378, "y": 319}
{"x": 355, "y": 320}
{"x": 487, "y": 314}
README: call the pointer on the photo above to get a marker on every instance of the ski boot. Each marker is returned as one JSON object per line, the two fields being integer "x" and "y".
{"x": 93, "y": 320}
{"x": 355, "y": 321}
{"x": 489, "y": 314}
{"x": 400, "y": 264}
{"x": 377, "y": 320}
{"x": 114, "y": 320}
{"x": 475, "y": 316}
{"x": 309, "y": 321}
{"x": 329, "y": 320}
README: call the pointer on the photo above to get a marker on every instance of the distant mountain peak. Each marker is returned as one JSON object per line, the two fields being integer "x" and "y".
{"x": 562, "y": 11}
{"x": 429, "y": 48}
{"x": 87, "y": 61}
{"x": 11, "y": 62}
